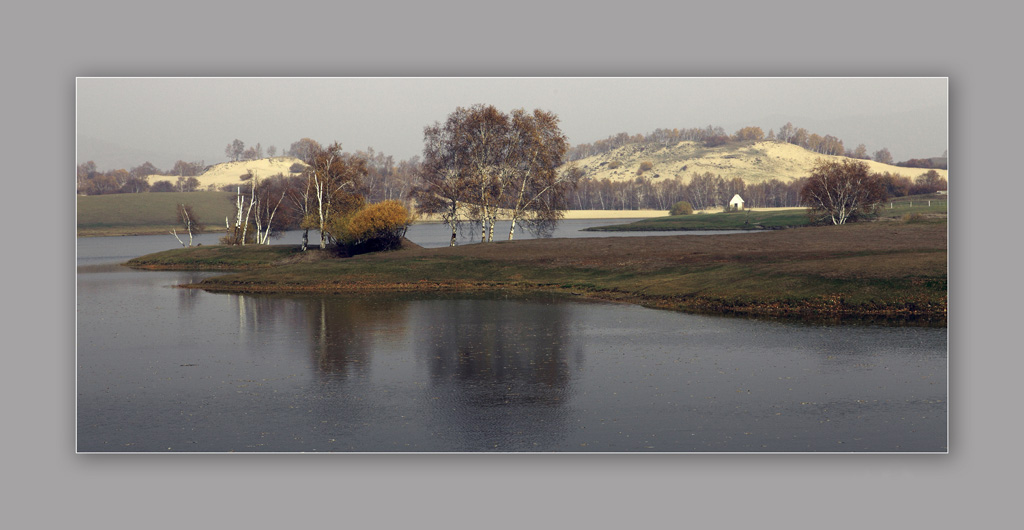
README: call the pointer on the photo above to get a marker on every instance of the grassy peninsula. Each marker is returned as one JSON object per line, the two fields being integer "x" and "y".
{"x": 885, "y": 269}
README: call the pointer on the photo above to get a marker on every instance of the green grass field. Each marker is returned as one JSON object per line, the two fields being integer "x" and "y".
{"x": 921, "y": 204}
{"x": 149, "y": 213}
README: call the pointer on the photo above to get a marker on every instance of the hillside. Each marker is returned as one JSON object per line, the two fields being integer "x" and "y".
{"x": 231, "y": 172}
{"x": 753, "y": 162}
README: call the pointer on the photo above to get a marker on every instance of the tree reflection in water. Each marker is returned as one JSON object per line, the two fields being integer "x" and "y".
{"x": 500, "y": 370}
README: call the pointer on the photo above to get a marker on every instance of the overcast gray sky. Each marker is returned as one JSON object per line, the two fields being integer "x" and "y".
{"x": 123, "y": 122}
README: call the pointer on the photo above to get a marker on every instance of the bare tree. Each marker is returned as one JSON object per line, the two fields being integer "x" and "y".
{"x": 234, "y": 150}
{"x": 842, "y": 191}
{"x": 189, "y": 221}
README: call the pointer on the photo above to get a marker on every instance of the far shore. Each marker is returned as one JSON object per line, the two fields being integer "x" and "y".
{"x": 617, "y": 214}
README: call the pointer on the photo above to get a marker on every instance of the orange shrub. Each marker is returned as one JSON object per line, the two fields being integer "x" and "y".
{"x": 374, "y": 227}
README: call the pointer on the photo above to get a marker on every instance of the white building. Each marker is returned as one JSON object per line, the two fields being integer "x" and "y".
{"x": 736, "y": 203}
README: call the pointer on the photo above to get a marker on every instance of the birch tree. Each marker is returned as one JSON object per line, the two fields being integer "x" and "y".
{"x": 333, "y": 180}
{"x": 189, "y": 221}
{"x": 443, "y": 185}
{"x": 842, "y": 191}
{"x": 538, "y": 192}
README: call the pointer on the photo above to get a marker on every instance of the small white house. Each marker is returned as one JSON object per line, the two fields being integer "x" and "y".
{"x": 736, "y": 203}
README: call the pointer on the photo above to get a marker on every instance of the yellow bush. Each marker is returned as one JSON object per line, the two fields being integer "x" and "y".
{"x": 379, "y": 226}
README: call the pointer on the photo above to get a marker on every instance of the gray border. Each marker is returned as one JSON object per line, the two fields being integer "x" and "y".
{"x": 969, "y": 44}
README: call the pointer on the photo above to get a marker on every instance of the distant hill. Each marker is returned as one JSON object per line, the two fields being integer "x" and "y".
{"x": 751, "y": 161}
{"x": 231, "y": 172}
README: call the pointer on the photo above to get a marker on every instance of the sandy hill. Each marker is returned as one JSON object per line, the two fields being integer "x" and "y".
{"x": 231, "y": 172}
{"x": 753, "y": 162}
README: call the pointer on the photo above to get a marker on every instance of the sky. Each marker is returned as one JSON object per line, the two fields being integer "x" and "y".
{"x": 124, "y": 122}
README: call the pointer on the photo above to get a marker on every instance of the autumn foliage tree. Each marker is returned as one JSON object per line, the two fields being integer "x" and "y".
{"x": 842, "y": 191}
{"x": 749, "y": 134}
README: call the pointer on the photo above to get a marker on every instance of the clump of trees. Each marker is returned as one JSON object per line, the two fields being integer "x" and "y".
{"x": 237, "y": 151}
{"x": 482, "y": 163}
{"x": 843, "y": 191}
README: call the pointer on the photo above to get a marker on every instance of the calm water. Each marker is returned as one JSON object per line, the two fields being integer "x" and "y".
{"x": 163, "y": 369}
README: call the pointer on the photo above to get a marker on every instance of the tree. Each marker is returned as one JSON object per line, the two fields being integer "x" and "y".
{"x": 304, "y": 149}
{"x": 749, "y": 134}
{"x": 135, "y": 185}
{"x": 187, "y": 169}
{"x": 538, "y": 193}
{"x": 187, "y": 184}
{"x": 333, "y": 179}
{"x": 267, "y": 198}
{"x": 443, "y": 176}
{"x": 234, "y": 150}
{"x": 842, "y": 191}
{"x": 800, "y": 137}
{"x": 861, "y": 152}
{"x": 786, "y": 132}
{"x": 271, "y": 151}
{"x": 929, "y": 182}
{"x": 883, "y": 155}
{"x": 189, "y": 221}
{"x": 144, "y": 170}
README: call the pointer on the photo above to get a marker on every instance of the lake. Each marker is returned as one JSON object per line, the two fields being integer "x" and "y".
{"x": 161, "y": 369}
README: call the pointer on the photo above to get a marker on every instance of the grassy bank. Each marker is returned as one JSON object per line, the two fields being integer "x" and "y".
{"x": 926, "y": 208}
{"x": 886, "y": 269}
{"x": 743, "y": 220}
{"x": 148, "y": 213}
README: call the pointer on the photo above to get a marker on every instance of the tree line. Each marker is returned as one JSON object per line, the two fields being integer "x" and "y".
{"x": 91, "y": 181}
{"x": 714, "y": 136}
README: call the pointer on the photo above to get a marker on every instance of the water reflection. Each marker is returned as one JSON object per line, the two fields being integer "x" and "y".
{"x": 161, "y": 369}
{"x": 344, "y": 330}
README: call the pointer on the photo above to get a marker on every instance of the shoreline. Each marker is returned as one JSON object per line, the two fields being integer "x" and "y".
{"x": 887, "y": 271}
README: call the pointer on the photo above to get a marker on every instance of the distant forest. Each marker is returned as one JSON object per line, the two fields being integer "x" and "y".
{"x": 386, "y": 179}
